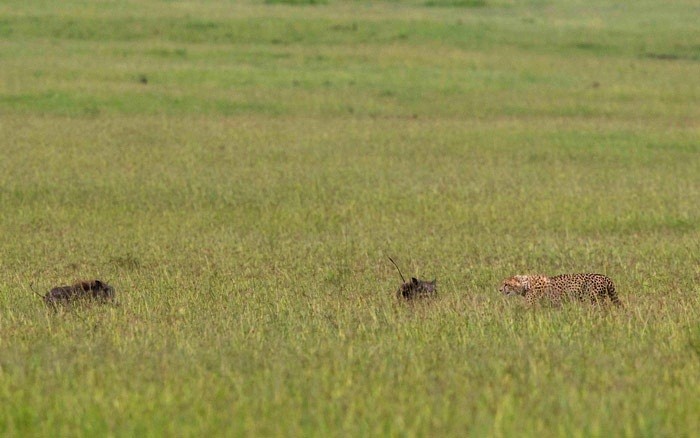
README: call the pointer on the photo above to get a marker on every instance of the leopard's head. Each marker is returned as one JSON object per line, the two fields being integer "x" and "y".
{"x": 515, "y": 285}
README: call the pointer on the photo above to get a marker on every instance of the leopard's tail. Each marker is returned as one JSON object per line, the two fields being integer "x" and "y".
{"x": 612, "y": 294}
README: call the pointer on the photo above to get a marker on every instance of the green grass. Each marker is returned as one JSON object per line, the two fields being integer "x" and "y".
{"x": 240, "y": 172}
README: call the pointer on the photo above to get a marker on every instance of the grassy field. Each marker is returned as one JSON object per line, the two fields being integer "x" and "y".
{"x": 240, "y": 172}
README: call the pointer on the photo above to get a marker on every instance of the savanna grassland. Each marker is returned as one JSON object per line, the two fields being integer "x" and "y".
{"x": 240, "y": 172}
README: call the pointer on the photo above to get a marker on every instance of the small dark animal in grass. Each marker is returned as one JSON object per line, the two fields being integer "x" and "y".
{"x": 96, "y": 290}
{"x": 415, "y": 288}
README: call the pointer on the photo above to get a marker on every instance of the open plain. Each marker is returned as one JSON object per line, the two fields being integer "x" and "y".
{"x": 241, "y": 171}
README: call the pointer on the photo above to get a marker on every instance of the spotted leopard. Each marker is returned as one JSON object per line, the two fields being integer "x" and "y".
{"x": 592, "y": 287}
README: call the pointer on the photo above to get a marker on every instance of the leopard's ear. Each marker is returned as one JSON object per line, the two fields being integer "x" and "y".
{"x": 414, "y": 280}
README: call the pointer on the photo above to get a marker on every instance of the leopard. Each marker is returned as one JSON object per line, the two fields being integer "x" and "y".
{"x": 596, "y": 288}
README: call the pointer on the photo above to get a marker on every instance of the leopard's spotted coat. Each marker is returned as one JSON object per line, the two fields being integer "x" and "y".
{"x": 592, "y": 287}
